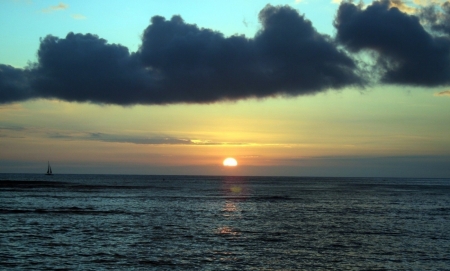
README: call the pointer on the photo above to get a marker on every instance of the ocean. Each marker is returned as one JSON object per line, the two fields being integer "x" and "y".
{"x": 127, "y": 222}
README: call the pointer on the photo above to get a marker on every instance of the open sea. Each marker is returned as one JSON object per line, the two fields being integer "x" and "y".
{"x": 126, "y": 222}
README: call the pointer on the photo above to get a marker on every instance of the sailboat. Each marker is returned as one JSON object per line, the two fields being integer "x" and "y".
{"x": 49, "y": 170}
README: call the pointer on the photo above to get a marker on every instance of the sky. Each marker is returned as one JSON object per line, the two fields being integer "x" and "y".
{"x": 287, "y": 88}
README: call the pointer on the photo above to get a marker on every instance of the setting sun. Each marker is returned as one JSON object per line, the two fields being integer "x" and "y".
{"x": 230, "y": 162}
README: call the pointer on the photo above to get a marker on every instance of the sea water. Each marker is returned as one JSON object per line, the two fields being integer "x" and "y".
{"x": 119, "y": 222}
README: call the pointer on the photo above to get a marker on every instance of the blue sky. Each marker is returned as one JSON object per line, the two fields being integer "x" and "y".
{"x": 23, "y": 23}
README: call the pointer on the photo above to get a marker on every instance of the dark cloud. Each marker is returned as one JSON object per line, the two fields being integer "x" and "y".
{"x": 147, "y": 140}
{"x": 14, "y": 131}
{"x": 14, "y": 84}
{"x": 11, "y": 127}
{"x": 295, "y": 54}
{"x": 87, "y": 68}
{"x": 133, "y": 139}
{"x": 408, "y": 54}
{"x": 182, "y": 63}
{"x": 11, "y": 131}
{"x": 437, "y": 16}
{"x": 287, "y": 56}
{"x": 179, "y": 62}
{"x": 138, "y": 139}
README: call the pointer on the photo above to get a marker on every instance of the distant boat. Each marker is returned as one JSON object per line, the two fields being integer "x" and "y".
{"x": 49, "y": 170}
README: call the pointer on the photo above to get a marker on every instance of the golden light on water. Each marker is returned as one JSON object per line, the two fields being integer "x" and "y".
{"x": 230, "y": 162}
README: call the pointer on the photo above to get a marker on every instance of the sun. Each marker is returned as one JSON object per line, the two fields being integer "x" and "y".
{"x": 230, "y": 162}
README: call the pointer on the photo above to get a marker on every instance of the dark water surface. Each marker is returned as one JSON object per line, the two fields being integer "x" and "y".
{"x": 120, "y": 222}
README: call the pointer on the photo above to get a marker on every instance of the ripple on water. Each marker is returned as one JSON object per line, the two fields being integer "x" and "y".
{"x": 225, "y": 224}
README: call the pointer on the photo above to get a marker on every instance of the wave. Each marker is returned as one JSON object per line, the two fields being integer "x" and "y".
{"x": 69, "y": 210}
{"x": 30, "y": 184}
{"x": 13, "y": 184}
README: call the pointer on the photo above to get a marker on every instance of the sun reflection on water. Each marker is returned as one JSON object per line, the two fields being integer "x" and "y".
{"x": 233, "y": 190}
{"x": 236, "y": 189}
{"x": 229, "y": 207}
{"x": 228, "y": 231}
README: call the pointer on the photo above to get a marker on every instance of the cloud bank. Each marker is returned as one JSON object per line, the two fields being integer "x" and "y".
{"x": 179, "y": 62}
{"x": 15, "y": 131}
{"x": 407, "y": 53}
{"x": 445, "y": 93}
